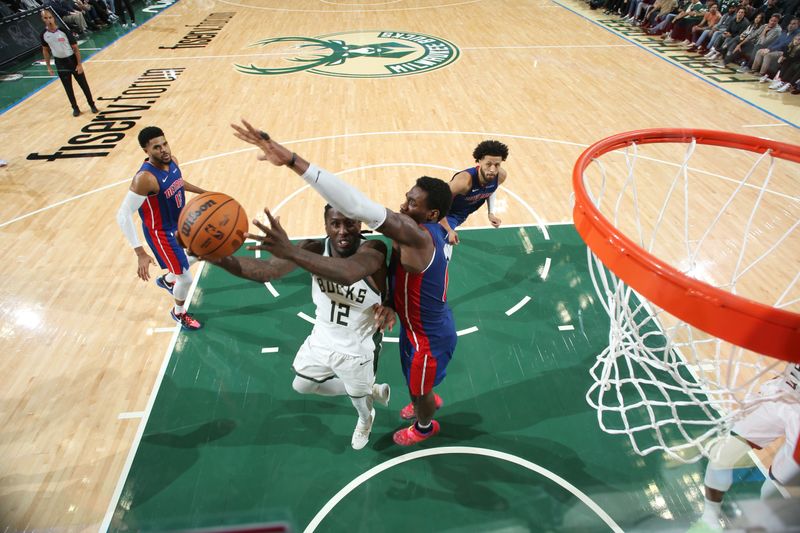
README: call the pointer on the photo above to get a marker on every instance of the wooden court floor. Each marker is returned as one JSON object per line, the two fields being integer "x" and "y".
{"x": 83, "y": 340}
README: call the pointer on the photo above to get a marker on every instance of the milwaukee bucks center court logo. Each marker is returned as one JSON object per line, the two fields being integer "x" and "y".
{"x": 355, "y": 54}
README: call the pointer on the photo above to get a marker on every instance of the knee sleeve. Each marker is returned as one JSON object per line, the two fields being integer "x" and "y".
{"x": 182, "y": 285}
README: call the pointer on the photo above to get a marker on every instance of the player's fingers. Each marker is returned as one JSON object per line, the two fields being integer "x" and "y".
{"x": 274, "y": 222}
{"x": 252, "y": 130}
{"x": 260, "y": 225}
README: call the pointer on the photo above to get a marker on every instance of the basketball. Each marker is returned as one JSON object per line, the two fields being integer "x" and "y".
{"x": 212, "y": 225}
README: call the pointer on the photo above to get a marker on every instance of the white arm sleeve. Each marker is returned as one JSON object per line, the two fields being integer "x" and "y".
{"x": 131, "y": 203}
{"x": 344, "y": 197}
{"x": 490, "y": 203}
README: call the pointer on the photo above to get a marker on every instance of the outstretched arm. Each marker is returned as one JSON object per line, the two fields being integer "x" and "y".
{"x": 262, "y": 270}
{"x": 345, "y": 198}
{"x": 368, "y": 259}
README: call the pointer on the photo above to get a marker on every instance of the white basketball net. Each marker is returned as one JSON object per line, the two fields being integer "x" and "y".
{"x": 667, "y": 385}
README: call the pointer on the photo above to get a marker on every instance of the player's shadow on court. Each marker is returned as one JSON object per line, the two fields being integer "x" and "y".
{"x": 523, "y": 271}
{"x": 258, "y": 420}
{"x": 494, "y": 485}
{"x": 513, "y": 408}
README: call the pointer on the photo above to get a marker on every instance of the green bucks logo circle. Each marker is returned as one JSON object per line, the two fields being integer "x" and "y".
{"x": 355, "y": 54}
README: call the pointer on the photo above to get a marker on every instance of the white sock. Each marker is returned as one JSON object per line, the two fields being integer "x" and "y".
{"x": 711, "y": 513}
{"x": 364, "y": 407}
{"x": 169, "y": 277}
{"x": 179, "y": 309}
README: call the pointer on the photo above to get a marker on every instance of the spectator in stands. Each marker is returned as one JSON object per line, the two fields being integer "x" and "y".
{"x": 730, "y": 37}
{"x": 636, "y": 9}
{"x": 663, "y": 26}
{"x": 616, "y": 7}
{"x": 658, "y": 12}
{"x": 791, "y": 9}
{"x": 715, "y": 32}
{"x": 744, "y": 52}
{"x": 93, "y": 19}
{"x": 66, "y": 10}
{"x": 749, "y": 10}
{"x": 710, "y": 19}
{"x": 683, "y": 22}
{"x": 770, "y": 7}
{"x": 766, "y": 59}
{"x": 6, "y": 10}
{"x": 789, "y": 75}
{"x": 120, "y": 12}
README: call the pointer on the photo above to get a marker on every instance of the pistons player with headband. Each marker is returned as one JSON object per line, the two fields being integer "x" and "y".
{"x": 158, "y": 193}
{"x": 418, "y": 272}
{"x": 778, "y": 415}
{"x": 473, "y": 187}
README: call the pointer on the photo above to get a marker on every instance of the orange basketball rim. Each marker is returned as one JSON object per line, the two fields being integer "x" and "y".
{"x": 746, "y": 323}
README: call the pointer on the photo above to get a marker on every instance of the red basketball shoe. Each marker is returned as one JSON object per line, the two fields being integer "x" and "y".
{"x": 411, "y": 435}
{"x": 407, "y": 412}
{"x": 186, "y": 320}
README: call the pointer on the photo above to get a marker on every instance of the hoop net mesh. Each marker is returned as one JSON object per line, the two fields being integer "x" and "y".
{"x": 663, "y": 382}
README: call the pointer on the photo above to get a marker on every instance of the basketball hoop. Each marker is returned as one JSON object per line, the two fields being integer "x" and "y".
{"x": 687, "y": 273}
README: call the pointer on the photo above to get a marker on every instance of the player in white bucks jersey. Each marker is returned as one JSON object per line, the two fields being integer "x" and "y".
{"x": 339, "y": 357}
{"x": 778, "y": 415}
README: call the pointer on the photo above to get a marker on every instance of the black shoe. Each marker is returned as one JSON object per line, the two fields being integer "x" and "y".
{"x": 93, "y": 108}
{"x": 76, "y": 112}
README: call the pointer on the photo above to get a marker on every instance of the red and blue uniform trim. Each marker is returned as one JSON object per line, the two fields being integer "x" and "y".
{"x": 160, "y": 212}
{"x": 427, "y": 334}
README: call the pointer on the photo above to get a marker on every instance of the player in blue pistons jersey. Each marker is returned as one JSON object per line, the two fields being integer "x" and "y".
{"x": 157, "y": 192}
{"x": 473, "y": 187}
{"x": 420, "y": 257}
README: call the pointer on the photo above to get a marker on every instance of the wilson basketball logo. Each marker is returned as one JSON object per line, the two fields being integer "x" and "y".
{"x": 191, "y": 218}
{"x": 357, "y": 54}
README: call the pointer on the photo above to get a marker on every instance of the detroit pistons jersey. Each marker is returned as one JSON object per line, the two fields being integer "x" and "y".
{"x": 420, "y": 299}
{"x": 160, "y": 211}
{"x": 465, "y": 204}
{"x": 344, "y": 321}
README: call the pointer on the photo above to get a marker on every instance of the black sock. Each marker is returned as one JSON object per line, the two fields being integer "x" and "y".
{"x": 423, "y": 430}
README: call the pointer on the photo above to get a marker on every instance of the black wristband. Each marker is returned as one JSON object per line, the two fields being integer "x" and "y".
{"x": 291, "y": 163}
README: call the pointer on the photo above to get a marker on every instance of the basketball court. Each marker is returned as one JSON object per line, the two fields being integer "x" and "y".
{"x": 114, "y": 420}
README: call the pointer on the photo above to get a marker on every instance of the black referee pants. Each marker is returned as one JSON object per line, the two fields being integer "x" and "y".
{"x": 66, "y": 70}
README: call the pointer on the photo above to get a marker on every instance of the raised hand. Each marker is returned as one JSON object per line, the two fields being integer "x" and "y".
{"x": 271, "y": 151}
{"x": 275, "y": 239}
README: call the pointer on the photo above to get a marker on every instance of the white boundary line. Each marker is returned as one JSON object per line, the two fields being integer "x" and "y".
{"x": 780, "y": 125}
{"x": 518, "y": 306}
{"x": 271, "y": 349}
{"x": 349, "y": 11}
{"x": 463, "y": 450}
{"x": 546, "y": 269}
{"x": 104, "y": 525}
{"x": 371, "y": 134}
{"x": 130, "y": 415}
{"x": 272, "y": 290}
{"x": 306, "y": 317}
{"x": 467, "y": 331}
{"x": 150, "y": 331}
{"x": 567, "y": 327}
